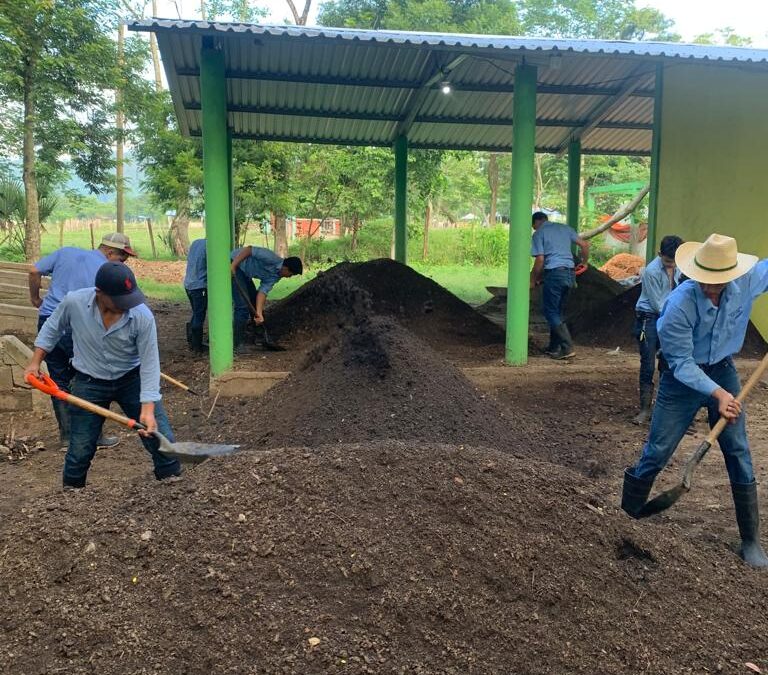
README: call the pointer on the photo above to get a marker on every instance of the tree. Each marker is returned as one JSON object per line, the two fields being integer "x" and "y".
{"x": 56, "y": 58}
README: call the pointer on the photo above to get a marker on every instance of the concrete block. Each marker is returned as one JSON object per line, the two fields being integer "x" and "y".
{"x": 18, "y": 377}
{"x": 245, "y": 382}
{"x": 6, "y": 379}
{"x": 15, "y": 266}
{"x": 41, "y": 403}
{"x": 19, "y": 278}
{"x": 15, "y": 401}
{"x": 18, "y": 319}
{"x": 16, "y": 349}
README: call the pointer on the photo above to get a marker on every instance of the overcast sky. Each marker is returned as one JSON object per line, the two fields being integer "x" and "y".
{"x": 691, "y": 17}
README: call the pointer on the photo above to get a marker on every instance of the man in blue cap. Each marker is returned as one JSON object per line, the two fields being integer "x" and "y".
{"x": 115, "y": 359}
{"x": 71, "y": 269}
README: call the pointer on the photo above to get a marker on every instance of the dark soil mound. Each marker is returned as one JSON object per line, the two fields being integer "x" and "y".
{"x": 375, "y": 380}
{"x": 390, "y": 288}
{"x": 377, "y": 558}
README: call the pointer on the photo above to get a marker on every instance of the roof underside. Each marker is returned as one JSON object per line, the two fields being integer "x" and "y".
{"x": 354, "y": 87}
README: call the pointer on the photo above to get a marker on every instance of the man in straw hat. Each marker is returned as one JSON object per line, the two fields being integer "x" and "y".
{"x": 702, "y": 325}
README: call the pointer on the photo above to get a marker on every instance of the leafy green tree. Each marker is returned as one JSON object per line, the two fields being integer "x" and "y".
{"x": 56, "y": 58}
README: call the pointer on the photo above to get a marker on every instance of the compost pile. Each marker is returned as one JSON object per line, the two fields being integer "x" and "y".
{"x": 383, "y": 557}
{"x": 419, "y": 303}
{"x": 623, "y": 266}
{"x": 373, "y": 379}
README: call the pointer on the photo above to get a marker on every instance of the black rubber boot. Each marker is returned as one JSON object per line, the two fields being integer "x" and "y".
{"x": 635, "y": 493}
{"x": 107, "y": 441}
{"x": 189, "y": 335}
{"x": 565, "y": 350}
{"x": 748, "y": 517}
{"x": 61, "y": 410}
{"x": 554, "y": 343}
{"x": 646, "y": 397}
{"x": 196, "y": 335}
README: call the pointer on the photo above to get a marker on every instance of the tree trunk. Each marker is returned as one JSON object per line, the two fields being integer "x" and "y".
{"x": 120, "y": 125}
{"x": 155, "y": 53}
{"x": 355, "y": 229}
{"x": 622, "y": 213}
{"x": 281, "y": 236}
{"x": 179, "y": 232}
{"x": 32, "y": 222}
{"x": 493, "y": 184}
{"x": 300, "y": 19}
{"x": 428, "y": 220}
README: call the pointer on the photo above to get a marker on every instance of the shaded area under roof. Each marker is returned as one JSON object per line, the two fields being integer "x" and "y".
{"x": 360, "y": 87}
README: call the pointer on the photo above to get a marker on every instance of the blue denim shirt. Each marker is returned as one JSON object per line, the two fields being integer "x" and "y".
{"x": 263, "y": 265}
{"x": 693, "y": 331}
{"x": 554, "y": 241}
{"x": 106, "y": 354}
{"x": 656, "y": 287}
{"x": 196, "y": 276}
{"x": 71, "y": 269}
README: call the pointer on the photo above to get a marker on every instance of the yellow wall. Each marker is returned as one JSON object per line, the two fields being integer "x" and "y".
{"x": 713, "y": 169}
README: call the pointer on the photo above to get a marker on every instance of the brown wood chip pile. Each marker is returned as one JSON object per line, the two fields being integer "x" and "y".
{"x": 623, "y": 265}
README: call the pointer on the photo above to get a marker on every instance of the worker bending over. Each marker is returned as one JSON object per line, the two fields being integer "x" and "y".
{"x": 115, "y": 359}
{"x": 553, "y": 261}
{"x": 253, "y": 262}
{"x": 701, "y": 327}
{"x": 71, "y": 269}
{"x": 660, "y": 277}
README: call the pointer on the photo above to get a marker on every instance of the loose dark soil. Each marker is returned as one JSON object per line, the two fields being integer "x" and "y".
{"x": 383, "y": 287}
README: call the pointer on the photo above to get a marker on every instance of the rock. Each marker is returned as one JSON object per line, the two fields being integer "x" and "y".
{"x": 146, "y": 535}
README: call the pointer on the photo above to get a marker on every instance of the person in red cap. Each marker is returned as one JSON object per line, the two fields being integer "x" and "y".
{"x": 70, "y": 269}
{"x": 115, "y": 359}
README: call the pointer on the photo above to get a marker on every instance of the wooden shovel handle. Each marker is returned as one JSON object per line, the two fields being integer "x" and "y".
{"x": 48, "y": 386}
{"x": 745, "y": 391}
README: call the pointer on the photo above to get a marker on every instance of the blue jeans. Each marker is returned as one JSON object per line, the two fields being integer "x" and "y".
{"x": 86, "y": 426}
{"x": 676, "y": 406}
{"x": 242, "y": 312}
{"x": 198, "y": 300}
{"x": 648, "y": 344}
{"x": 557, "y": 283}
{"x": 59, "y": 359}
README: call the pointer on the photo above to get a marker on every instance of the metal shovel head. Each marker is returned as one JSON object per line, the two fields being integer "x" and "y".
{"x": 193, "y": 453}
{"x": 267, "y": 343}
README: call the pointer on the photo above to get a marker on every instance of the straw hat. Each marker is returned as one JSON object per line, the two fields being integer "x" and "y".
{"x": 716, "y": 261}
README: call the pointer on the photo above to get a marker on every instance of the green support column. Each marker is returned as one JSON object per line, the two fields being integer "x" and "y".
{"x": 653, "y": 197}
{"x": 574, "y": 182}
{"x": 213, "y": 95}
{"x": 401, "y": 198}
{"x": 231, "y": 190}
{"x": 520, "y": 200}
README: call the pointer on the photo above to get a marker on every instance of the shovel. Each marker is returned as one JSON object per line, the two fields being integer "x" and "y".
{"x": 266, "y": 342}
{"x": 191, "y": 453}
{"x": 664, "y": 500}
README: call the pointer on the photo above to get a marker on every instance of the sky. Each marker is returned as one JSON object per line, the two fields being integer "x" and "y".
{"x": 692, "y": 17}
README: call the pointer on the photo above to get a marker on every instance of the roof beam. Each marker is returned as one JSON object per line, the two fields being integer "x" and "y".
{"x": 498, "y": 88}
{"x": 419, "y": 119}
{"x": 427, "y": 146}
{"x": 604, "y": 109}
{"x": 417, "y": 97}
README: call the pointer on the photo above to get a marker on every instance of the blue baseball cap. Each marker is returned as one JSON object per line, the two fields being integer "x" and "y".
{"x": 116, "y": 280}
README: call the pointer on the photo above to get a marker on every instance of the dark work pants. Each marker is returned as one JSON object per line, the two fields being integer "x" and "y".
{"x": 648, "y": 344}
{"x": 242, "y": 312}
{"x": 86, "y": 426}
{"x": 557, "y": 284}
{"x": 198, "y": 300}
{"x": 59, "y": 359}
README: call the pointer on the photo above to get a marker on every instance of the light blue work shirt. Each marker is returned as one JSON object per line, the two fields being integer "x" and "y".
{"x": 71, "y": 269}
{"x": 106, "y": 354}
{"x": 263, "y": 265}
{"x": 554, "y": 241}
{"x": 656, "y": 286}
{"x": 693, "y": 331}
{"x": 196, "y": 276}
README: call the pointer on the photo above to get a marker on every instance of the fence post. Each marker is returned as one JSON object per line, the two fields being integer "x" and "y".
{"x": 151, "y": 237}
{"x": 90, "y": 229}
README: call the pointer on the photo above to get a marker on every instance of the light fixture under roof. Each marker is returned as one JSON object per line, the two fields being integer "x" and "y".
{"x": 445, "y": 87}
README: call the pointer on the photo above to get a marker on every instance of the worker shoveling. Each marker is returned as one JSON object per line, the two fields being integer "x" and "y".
{"x": 190, "y": 453}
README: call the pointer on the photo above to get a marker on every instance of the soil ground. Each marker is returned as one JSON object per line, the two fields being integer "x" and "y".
{"x": 427, "y": 546}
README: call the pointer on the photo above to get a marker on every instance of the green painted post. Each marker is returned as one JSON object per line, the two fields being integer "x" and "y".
{"x": 401, "y": 198}
{"x": 653, "y": 198}
{"x": 232, "y": 238}
{"x": 213, "y": 95}
{"x": 574, "y": 182}
{"x": 520, "y": 200}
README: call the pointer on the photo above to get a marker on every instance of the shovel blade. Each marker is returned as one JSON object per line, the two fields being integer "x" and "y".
{"x": 193, "y": 453}
{"x": 663, "y": 501}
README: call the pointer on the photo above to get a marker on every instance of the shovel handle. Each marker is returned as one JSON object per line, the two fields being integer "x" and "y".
{"x": 745, "y": 391}
{"x": 45, "y": 384}
{"x": 178, "y": 383}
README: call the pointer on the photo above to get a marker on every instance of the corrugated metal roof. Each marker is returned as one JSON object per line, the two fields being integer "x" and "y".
{"x": 347, "y": 86}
